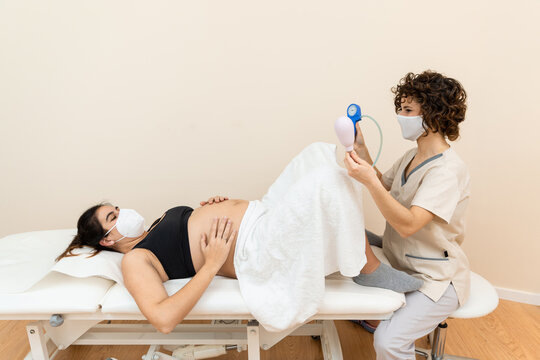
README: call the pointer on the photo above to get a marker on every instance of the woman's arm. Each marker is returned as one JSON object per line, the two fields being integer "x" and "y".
{"x": 405, "y": 221}
{"x": 145, "y": 285}
{"x": 362, "y": 151}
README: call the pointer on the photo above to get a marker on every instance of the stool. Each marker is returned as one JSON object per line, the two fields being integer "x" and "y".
{"x": 483, "y": 299}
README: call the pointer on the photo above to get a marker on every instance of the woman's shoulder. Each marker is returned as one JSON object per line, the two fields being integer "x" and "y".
{"x": 139, "y": 258}
{"x": 454, "y": 163}
{"x": 135, "y": 256}
{"x": 450, "y": 167}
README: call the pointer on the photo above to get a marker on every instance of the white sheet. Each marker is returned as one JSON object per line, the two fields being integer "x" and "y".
{"x": 309, "y": 224}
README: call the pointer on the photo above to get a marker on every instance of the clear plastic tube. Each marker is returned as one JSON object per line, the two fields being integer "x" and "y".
{"x": 381, "y": 135}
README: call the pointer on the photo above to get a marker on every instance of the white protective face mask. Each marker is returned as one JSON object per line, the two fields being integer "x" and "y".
{"x": 411, "y": 126}
{"x": 129, "y": 224}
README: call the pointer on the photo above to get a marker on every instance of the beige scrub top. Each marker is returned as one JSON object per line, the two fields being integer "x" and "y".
{"x": 441, "y": 186}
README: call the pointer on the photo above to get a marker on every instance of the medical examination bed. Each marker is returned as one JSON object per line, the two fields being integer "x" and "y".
{"x": 69, "y": 310}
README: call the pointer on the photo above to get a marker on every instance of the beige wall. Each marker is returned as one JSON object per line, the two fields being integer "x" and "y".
{"x": 153, "y": 104}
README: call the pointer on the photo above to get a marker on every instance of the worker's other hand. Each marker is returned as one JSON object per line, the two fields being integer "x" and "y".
{"x": 216, "y": 245}
{"x": 214, "y": 200}
{"x": 359, "y": 139}
{"x": 359, "y": 145}
{"x": 360, "y": 169}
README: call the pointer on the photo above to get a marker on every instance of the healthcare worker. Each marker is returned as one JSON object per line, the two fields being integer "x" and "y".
{"x": 423, "y": 198}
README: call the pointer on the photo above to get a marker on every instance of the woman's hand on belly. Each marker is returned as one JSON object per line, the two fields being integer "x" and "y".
{"x": 200, "y": 222}
{"x": 214, "y": 200}
{"x": 217, "y": 244}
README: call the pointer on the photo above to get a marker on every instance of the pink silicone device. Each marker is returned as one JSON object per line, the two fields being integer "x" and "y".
{"x": 344, "y": 128}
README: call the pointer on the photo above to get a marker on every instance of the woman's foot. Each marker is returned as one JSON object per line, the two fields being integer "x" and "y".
{"x": 387, "y": 277}
{"x": 369, "y": 326}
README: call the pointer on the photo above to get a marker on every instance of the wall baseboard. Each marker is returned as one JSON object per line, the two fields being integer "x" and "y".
{"x": 519, "y": 296}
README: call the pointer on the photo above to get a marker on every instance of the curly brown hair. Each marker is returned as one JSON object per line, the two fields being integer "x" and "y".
{"x": 442, "y": 100}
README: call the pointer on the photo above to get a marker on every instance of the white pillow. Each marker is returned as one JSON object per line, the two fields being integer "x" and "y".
{"x": 27, "y": 258}
{"x": 106, "y": 264}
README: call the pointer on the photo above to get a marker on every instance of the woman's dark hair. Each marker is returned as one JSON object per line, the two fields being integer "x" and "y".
{"x": 442, "y": 100}
{"x": 89, "y": 233}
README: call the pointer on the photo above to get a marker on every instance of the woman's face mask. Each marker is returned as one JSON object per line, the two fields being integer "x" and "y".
{"x": 129, "y": 224}
{"x": 411, "y": 126}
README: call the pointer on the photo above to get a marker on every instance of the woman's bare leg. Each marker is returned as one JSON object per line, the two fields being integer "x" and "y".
{"x": 372, "y": 261}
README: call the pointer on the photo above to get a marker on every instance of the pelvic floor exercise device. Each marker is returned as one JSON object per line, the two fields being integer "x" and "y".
{"x": 345, "y": 127}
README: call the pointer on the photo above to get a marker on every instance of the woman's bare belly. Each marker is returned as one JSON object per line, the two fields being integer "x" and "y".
{"x": 200, "y": 222}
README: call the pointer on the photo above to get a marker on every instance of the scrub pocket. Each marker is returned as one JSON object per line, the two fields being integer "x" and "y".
{"x": 437, "y": 268}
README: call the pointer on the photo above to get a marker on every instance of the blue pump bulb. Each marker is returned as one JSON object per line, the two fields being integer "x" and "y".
{"x": 355, "y": 114}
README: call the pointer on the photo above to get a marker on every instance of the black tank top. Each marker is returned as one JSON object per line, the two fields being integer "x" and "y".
{"x": 168, "y": 239}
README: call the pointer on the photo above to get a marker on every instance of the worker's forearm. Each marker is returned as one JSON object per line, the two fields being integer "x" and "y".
{"x": 397, "y": 215}
{"x": 363, "y": 152}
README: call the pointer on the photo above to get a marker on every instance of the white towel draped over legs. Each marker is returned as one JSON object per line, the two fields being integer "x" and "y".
{"x": 309, "y": 224}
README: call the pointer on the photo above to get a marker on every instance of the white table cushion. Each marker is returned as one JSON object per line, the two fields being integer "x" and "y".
{"x": 483, "y": 299}
{"x": 342, "y": 296}
{"x": 57, "y": 294}
{"x": 223, "y": 297}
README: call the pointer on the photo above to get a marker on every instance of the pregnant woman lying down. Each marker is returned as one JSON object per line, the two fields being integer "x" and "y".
{"x": 308, "y": 225}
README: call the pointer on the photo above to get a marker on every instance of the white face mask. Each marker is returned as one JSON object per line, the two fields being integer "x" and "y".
{"x": 129, "y": 224}
{"x": 411, "y": 126}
